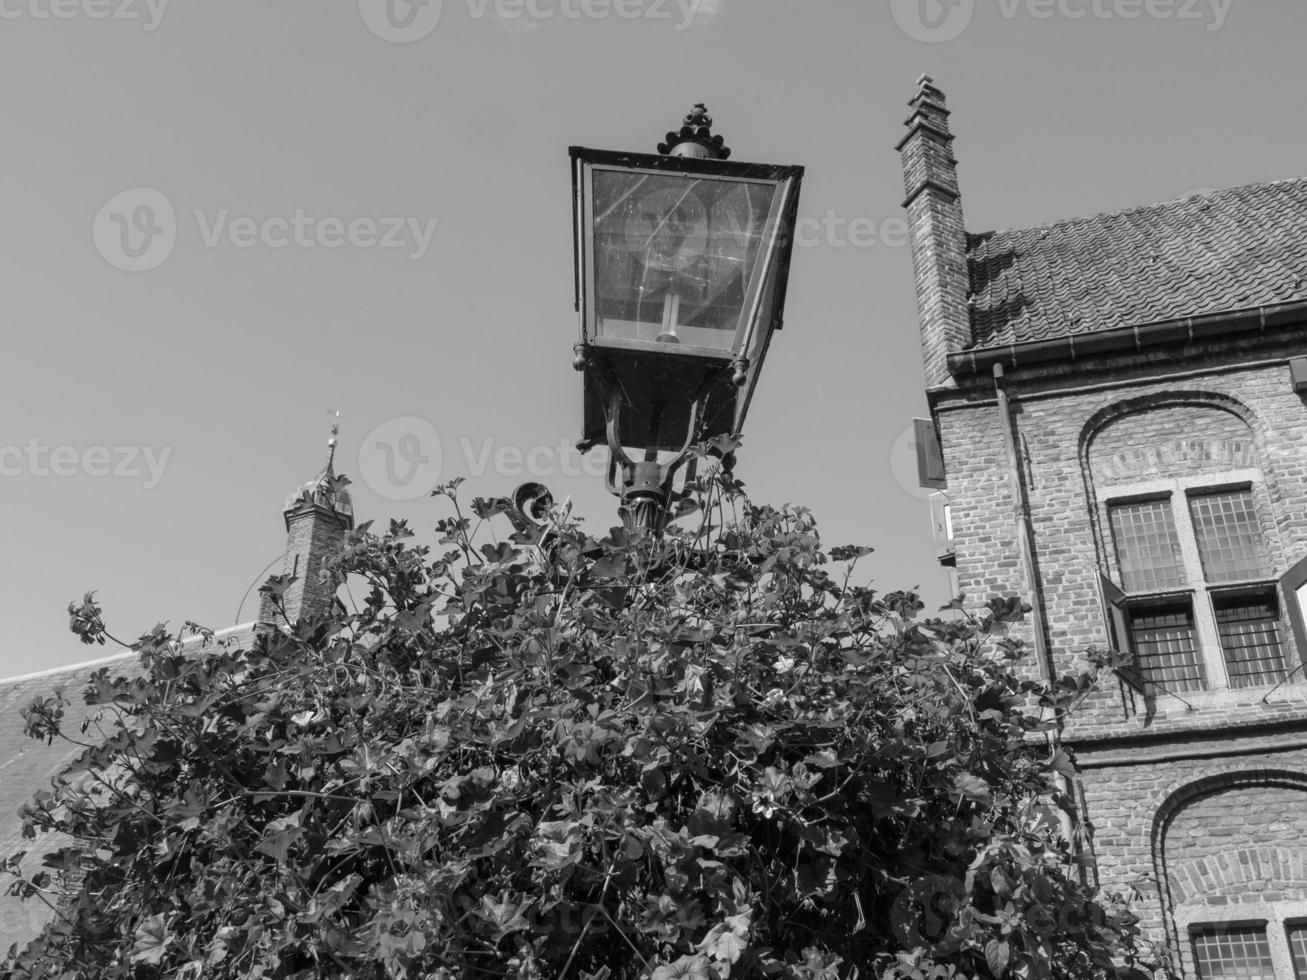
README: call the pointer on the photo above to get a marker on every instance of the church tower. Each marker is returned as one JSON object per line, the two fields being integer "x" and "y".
{"x": 318, "y": 513}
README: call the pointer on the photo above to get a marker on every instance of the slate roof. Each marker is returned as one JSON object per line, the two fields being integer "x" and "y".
{"x": 27, "y": 765}
{"x": 1222, "y": 252}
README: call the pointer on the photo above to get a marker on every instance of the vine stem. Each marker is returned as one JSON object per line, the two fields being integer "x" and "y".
{"x": 608, "y": 877}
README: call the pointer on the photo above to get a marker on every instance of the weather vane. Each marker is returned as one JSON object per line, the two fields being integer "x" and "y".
{"x": 337, "y": 418}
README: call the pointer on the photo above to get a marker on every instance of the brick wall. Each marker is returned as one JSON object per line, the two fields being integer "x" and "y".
{"x": 1263, "y": 818}
{"x": 1166, "y": 784}
{"x": 1058, "y": 429}
{"x": 313, "y": 533}
{"x": 1205, "y": 838}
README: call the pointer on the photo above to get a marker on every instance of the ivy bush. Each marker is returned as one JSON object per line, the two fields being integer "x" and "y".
{"x": 699, "y": 755}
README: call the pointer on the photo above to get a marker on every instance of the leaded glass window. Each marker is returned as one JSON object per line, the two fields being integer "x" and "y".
{"x": 1229, "y": 952}
{"x": 1166, "y": 647}
{"x": 1298, "y": 949}
{"x": 1250, "y": 641}
{"x": 1230, "y": 541}
{"x": 1147, "y": 547}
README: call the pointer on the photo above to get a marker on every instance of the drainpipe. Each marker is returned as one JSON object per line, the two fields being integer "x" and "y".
{"x": 1025, "y": 537}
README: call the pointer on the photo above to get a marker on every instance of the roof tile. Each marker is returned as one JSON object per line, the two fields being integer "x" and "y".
{"x": 1223, "y": 252}
{"x": 28, "y": 765}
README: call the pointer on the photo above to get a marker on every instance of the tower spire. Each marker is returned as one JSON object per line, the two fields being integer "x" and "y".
{"x": 318, "y": 513}
{"x": 331, "y": 443}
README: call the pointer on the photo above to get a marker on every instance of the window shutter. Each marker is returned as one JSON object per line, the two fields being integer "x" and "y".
{"x": 1118, "y": 631}
{"x": 1293, "y": 586}
{"x": 1118, "y": 621}
{"x": 930, "y": 457}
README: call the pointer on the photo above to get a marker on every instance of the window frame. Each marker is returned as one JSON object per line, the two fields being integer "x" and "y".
{"x": 1197, "y": 929}
{"x": 1201, "y": 595}
{"x": 1290, "y": 924}
{"x": 1277, "y": 918}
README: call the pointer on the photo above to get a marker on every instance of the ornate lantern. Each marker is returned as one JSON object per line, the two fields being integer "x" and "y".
{"x": 682, "y": 260}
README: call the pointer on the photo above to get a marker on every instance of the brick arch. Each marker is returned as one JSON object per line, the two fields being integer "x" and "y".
{"x": 1195, "y": 398}
{"x": 1105, "y": 416}
{"x": 1168, "y": 801}
{"x": 1280, "y": 868}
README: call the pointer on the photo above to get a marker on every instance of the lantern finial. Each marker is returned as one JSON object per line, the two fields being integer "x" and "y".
{"x": 695, "y": 138}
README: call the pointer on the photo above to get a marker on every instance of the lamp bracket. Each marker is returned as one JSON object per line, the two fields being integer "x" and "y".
{"x": 645, "y": 485}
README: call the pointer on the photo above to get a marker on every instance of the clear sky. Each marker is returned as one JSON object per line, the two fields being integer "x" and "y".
{"x": 154, "y": 420}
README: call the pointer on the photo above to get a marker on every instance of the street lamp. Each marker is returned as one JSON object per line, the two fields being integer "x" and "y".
{"x": 682, "y": 260}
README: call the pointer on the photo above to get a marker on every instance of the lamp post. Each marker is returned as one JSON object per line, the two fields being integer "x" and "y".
{"x": 682, "y": 261}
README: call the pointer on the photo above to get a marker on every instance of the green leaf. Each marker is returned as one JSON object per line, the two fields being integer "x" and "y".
{"x": 972, "y": 787}
{"x": 997, "y": 955}
{"x": 504, "y": 916}
{"x": 150, "y": 941}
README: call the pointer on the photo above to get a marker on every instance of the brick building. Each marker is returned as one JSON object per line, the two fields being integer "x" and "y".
{"x": 1119, "y": 405}
{"x": 317, "y": 515}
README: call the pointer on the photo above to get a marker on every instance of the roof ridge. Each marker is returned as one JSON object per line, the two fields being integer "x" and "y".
{"x": 221, "y": 634}
{"x": 1134, "y": 209}
{"x": 66, "y": 669}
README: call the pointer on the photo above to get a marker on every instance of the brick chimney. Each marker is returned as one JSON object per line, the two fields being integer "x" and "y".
{"x": 318, "y": 515}
{"x": 937, "y": 231}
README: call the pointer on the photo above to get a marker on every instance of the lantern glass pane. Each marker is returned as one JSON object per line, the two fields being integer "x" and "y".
{"x": 676, "y": 257}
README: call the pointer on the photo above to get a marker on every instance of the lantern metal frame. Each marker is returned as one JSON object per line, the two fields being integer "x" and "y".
{"x": 663, "y": 398}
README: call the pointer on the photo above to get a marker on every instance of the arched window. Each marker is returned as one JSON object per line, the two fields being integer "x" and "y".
{"x": 1193, "y": 574}
{"x": 1232, "y": 858}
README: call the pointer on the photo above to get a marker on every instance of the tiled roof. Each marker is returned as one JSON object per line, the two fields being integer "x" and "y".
{"x": 27, "y": 765}
{"x": 1222, "y": 252}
